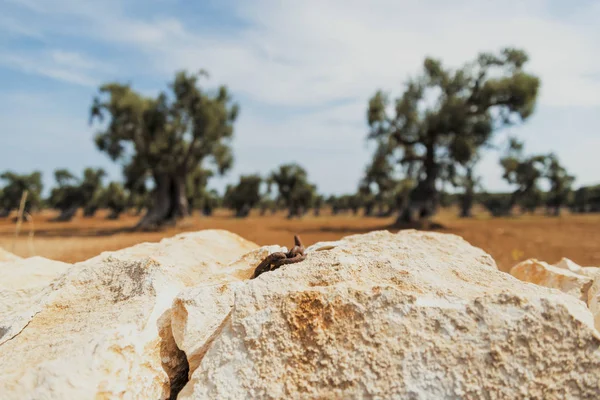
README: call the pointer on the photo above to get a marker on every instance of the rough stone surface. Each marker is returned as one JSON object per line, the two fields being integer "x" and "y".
{"x": 414, "y": 315}
{"x": 568, "y": 277}
{"x": 572, "y": 266}
{"x": 106, "y": 331}
{"x": 198, "y": 312}
{"x": 8, "y": 256}
{"x": 25, "y": 287}
{"x": 593, "y": 302}
{"x": 568, "y": 264}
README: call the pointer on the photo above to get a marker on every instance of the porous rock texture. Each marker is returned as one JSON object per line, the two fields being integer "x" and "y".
{"x": 565, "y": 263}
{"x": 567, "y": 277}
{"x": 413, "y": 315}
{"x": 105, "y": 333}
{"x": 198, "y": 312}
{"x": 24, "y": 289}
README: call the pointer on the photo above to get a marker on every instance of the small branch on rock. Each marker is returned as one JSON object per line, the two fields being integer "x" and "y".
{"x": 277, "y": 259}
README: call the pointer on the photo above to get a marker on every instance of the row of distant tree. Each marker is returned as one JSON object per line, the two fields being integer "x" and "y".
{"x": 427, "y": 140}
{"x": 288, "y": 188}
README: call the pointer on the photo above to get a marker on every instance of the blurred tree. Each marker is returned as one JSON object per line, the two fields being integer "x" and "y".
{"x": 318, "y": 204}
{"x": 469, "y": 183}
{"x": 114, "y": 198}
{"x": 444, "y": 116}
{"x": 267, "y": 203}
{"x": 14, "y": 186}
{"x": 525, "y": 172}
{"x": 378, "y": 183}
{"x": 198, "y": 196}
{"x": 211, "y": 202}
{"x": 91, "y": 187}
{"x": 294, "y": 191}
{"x": 72, "y": 193}
{"x": 166, "y": 138}
{"x": 586, "y": 199}
{"x": 498, "y": 204}
{"x": 560, "y": 185}
{"x": 244, "y": 196}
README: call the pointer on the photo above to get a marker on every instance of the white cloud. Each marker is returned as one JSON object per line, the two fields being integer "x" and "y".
{"x": 311, "y": 52}
{"x": 303, "y": 53}
{"x": 67, "y": 66}
{"x": 312, "y": 55}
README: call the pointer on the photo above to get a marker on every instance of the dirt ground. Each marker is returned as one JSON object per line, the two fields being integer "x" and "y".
{"x": 508, "y": 240}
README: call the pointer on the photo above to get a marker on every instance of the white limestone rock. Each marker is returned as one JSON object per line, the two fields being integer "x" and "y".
{"x": 106, "y": 331}
{"x": 25, "y": 286}
{"x": 198, "y": 312}
{"x": 8, "y": 256}
{"x": 413, "y": 315}
{"x": 562, "y": 278}
{"x": 565, "y": 263}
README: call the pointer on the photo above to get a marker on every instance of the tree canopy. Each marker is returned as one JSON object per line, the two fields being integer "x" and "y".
{"x": 165, "y": 138}
{"x": 72, "y": 193}
{"x": 244, "y": 196}
{"x": 445, "y": 115}
{"x": 13, "y": 188}
{"x": 294, "y": 191}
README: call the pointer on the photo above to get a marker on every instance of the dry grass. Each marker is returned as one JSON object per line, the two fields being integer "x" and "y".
{"x": 508, "y": 240}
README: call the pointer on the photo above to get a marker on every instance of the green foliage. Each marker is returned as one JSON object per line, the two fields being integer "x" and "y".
{"x": 13, "y": 187}
{"x": 444, "y": 116}
{"x": 267, "y": 204}
{"x": 91, "y": 186}
{"x": 168, "y": 137}
{"x": 560, "y": 184}
{"x": 318, "y": 203}
{"x": 198, "y": 196}
{"x": 498, "y": 204}
{"x": 211, "y": 201}
{"x": 525, "y": 172}
{"x": 244, "y": 196}
{"x": 294, "y": 191}
{"x": 72, "y": 192}
{"x": 379, "y": 185}
{"x": 586, "y": 199}
{"x": 115, "y": 198}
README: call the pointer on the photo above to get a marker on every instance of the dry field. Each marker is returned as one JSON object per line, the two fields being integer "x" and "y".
{"x": 508, "y": 240}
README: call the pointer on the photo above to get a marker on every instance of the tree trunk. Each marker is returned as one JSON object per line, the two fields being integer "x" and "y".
{"x": 89, "y": 212}
{"x": 429, "y": 196}
{"x": 66, "y": 214}
{"x": 406, "y": 216}
{"x": 294, "y": 211}
{"x": 467, "y": 204}
{"x": 243, "y": 211}
{"x": 114, "y": 215}
{"x": 467, "y": 199}
{"x": 168, "y": 202}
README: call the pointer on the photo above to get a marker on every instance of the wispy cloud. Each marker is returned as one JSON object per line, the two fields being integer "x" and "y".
{"x": 299, "y": 53}
{"x": 66, "y": 66}
{"x": 306, "y": 69}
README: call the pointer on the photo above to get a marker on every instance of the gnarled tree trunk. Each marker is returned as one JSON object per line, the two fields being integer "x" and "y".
{"x": 169, "y": 202}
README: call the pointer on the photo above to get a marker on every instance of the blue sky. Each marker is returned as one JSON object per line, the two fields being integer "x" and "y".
{"x": 302, "y": 72}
